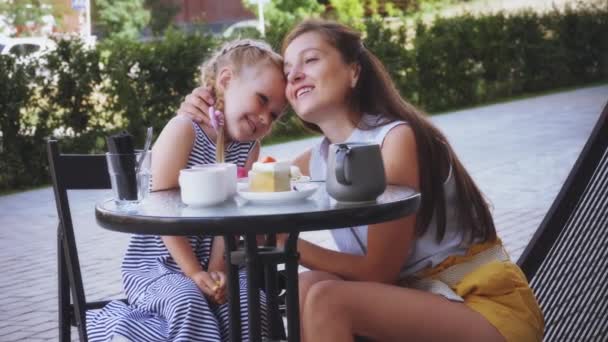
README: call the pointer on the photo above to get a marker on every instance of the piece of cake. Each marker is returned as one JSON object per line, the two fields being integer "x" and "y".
{"x": 269, "y": 175}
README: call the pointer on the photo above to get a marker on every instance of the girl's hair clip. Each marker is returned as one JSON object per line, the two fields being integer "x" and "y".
{"x": 217, "y": 118}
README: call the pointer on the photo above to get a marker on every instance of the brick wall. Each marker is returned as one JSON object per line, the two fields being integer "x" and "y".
{"x": 70, "y": 20}
{"x": 211, "y": 11}
{"x": 216, "y": 12}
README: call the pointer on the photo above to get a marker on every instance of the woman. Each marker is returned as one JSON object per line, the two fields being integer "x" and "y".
{"x": 441, "y": 274}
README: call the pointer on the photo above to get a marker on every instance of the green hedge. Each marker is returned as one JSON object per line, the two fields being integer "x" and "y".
{"x": 85, "y": 94}
{"x": 147, "y": 82}
{"x": 465, "y": 61}
{"x": 15, "y": 94}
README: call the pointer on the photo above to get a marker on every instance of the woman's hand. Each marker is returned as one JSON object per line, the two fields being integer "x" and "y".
{"x": 212, "y": 284}
{"x": 196, "y": 105}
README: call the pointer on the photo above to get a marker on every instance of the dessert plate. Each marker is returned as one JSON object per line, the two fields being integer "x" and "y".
{"x": 299, "y": 191}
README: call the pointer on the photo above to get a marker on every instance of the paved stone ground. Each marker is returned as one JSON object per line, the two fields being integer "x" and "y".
{"x": 519, "y": 153}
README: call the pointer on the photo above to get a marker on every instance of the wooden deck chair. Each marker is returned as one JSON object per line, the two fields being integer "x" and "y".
{"x": 73, "y": 172}
{"x": 83, "y": 172}
{"x": 566, "y": 261}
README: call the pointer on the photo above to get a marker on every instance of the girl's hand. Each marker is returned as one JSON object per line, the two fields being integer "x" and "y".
{"x": 208, "y": 285}
{"x": 196, "y": 105}
{"x": 220, "y": 280}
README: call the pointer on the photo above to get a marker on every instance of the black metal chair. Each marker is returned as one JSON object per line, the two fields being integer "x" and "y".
{"x": 90, "y": 172}
{"x": 73, "y": 172}
{"x": 567, "y": 259}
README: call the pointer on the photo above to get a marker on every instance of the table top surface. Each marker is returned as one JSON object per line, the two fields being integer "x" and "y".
{"x": 164, "y": 213}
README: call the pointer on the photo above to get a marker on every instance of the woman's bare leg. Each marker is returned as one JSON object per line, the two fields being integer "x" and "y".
{"x": 338, "y": 310}
{"x": 306, "y": 281}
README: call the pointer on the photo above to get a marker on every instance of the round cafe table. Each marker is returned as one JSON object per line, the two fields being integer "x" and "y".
{"x": 163, "y": 213}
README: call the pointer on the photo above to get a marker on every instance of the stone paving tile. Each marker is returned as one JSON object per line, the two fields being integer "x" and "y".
{"x": 519, "y": 153}
{"x": 9, "y": 329}
{"x": 17, "y": 336}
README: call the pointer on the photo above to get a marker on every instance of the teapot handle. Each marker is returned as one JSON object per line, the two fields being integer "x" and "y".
{"x": 341, "y": 154}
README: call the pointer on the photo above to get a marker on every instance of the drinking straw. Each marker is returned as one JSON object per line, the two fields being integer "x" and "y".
{"x": 217, "y": 122}
{"x": 146, "y": 148}
{"x": 219, "y": 152}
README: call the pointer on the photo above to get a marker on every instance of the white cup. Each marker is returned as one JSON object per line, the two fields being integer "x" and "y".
{"x": 203, "y": 186}
{"x": 231, "y": 175}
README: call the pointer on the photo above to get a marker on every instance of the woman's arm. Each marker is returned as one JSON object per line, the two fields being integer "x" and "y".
{"x": 196, "y": 105}
{"x": 254, "y": 155}
{"x": 389, "y": 243}
{"x": 303, "y": 162}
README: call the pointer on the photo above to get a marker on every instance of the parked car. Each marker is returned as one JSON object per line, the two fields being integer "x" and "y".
{"x": 29, "y": 47}
{"x": 245, "y": 28}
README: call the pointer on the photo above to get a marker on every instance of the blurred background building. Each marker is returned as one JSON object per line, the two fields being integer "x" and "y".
{"x": 45, "y": 17}
{"x": 218, "y": 14}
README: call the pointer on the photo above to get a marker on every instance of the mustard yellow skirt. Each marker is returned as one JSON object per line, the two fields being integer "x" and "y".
{"x": 499, "y": 291}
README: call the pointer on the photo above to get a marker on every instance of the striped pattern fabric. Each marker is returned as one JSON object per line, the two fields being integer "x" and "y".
{"x": 566, "y": 260}
{"x": 164, "y": 304}
{"x": 571, "y": 283}
{"x": 203, "y": 151}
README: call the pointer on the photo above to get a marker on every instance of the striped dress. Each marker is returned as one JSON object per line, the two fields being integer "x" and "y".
{"x": 164, "y": 304}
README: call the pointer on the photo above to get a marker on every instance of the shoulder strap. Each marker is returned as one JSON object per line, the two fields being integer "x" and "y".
{"x": 358, "y": 239}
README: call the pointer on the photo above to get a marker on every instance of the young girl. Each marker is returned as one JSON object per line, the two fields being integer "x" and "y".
{"x": 176, "y": 285}
{"x": 439, "y": 275}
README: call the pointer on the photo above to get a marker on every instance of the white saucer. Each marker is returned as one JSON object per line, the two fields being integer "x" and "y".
{"x": 299, "y": 191}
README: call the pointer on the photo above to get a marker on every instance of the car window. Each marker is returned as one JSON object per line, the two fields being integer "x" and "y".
{"x": 16, "y": 50}
{"x": 24, "y": 49}
{"x": 30, "y": 48}
{"x": 246, "y": 32}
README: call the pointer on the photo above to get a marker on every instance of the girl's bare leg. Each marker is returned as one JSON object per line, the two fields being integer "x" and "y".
{"x": 338, "y": 310}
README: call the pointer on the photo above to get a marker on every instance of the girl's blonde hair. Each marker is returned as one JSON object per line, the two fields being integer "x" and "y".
{"x": 236, "y": 54}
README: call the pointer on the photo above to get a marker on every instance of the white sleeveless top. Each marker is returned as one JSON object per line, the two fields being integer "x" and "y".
{"x": 426, "y": 252}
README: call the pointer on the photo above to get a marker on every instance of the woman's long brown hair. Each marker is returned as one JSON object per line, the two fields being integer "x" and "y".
{"x": 375, "y": 94}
